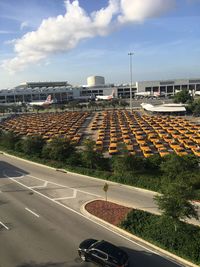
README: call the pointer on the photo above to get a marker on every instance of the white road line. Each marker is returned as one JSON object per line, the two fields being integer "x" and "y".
{"x": 64, "y": 186}
{"x": 63, "y": 198}
{"x": 80, "y": 214}
{"x": 32, "y": 212}
{"x": 89, "y": 219}
{"x": 22, "y": 175}
{"x": 4, "y": 226}
{"x": 40, "y": 186}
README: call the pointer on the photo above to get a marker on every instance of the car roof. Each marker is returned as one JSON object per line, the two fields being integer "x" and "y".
{"x": 110, "y": 249}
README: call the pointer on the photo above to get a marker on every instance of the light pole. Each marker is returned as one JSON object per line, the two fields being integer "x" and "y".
{"x": 130, "y": 55}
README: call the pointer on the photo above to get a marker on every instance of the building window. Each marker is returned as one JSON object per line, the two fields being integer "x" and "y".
{"x": 162, "y": 88}
{"x": 198, "y": 87}
{"x": 191, "y": 87}
{"x": 147, "y": 89}
{"x": 155, "y": 89}
{"x": 166, "y": 82}
{"x": 194, "y": 81}
{"x": 184, "y": 87}
{"x": 169, "y": 89}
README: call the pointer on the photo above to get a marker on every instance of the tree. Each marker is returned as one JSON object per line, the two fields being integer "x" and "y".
{"x": 105, "y": 189}
{"x": 38, "y": 108}
{"x": 153, "y": 162}
{"x": 175, "y": 202}
{"x": 197, "y": 110}
{"x": 8, "y": 139}
{"x": 123, "y": 103}
{"x": 58, "y": 149}
{"x": 194, "y": 107}
{"x": 182, "y": 96}
{"x": 73, "y": 104}
{"x": 33, "y": 145}
{"x": 127, "y": 163}
{"x": 174, "y": 165}
{"x": 91, "y": 158}
{"x": 92, "y": 105}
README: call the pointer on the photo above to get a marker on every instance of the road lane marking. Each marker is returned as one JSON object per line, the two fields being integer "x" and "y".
{"x": 63, "y": 198}
{"x": 32, "y": 212}
{"x": 4, "y": 225}
{"x": 91, "y": 220}
{"x": 40, "y": 186}
{"x": 80, "y": 214}
{"x": 64, "y": 186}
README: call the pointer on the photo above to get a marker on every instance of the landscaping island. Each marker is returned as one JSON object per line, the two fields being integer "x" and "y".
{"x": 183, "y": 241}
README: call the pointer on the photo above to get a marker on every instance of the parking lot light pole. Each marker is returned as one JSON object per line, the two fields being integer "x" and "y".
{"x": 130, "y": 56}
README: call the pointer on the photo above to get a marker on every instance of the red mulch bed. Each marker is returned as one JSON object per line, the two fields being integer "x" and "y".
{"x": 108, "y": 211}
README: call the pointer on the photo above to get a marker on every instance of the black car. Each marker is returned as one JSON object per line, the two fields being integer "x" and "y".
{"x": 102, "y": 253}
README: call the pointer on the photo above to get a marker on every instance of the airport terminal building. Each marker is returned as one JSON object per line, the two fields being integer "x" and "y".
{"x": 168, "y": 87}
{"x": 63, "y": 91}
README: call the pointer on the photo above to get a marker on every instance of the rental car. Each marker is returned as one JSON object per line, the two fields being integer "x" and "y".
{"x": 180, "y": 151}
{"x": 113, "y": 149}
{"x": 102, "y": 253}
{"x": 147, "y": 153}
{"x": 130, "y": 149}
{"x": 196, "y": 151}
{"x": 163, "y": 151}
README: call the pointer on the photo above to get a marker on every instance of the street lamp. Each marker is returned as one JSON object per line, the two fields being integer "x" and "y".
{"x": 130, "y": 55}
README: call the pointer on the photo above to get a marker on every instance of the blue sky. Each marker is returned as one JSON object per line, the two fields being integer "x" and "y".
{"x": 54, "y": 40}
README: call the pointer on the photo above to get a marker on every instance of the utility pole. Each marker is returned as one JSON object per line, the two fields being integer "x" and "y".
{"x": 130, "y": 56}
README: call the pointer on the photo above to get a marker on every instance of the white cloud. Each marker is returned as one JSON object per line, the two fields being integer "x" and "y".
{"x": 60, "y": 34}
{"x": 139, "y": 10}
{"x": 64, "y": 32}
{"x": 24, "y": 24}
{"x": 6, "y": 32}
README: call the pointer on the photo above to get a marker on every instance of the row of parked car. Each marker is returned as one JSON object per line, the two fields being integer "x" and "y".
{"x": 117, "y": 131}
{"x": 121, "y": 130}
{"x": 48, "y": 125}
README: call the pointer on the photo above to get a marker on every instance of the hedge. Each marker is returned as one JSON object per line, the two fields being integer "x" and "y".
{"x": 159, "y": 230}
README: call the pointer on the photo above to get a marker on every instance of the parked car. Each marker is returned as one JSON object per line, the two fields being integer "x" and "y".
{"x": 102, "y": 253}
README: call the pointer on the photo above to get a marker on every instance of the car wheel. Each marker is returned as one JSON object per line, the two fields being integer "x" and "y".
{"x": 83, "y": 257}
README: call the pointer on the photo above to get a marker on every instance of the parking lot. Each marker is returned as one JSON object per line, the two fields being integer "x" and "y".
{"x": 114, "y": 131}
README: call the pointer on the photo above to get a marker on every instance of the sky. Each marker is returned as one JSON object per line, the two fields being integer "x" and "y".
{"x": 57, "y": 40}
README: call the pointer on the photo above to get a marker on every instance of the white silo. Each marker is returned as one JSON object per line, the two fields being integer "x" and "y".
{"x": 95, "y": 80}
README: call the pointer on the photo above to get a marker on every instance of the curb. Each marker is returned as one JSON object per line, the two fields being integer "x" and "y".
{"x": 27, "y": 160}
{"x": 87, "y": 176}
{"x": 141, "y": 241}
{"x": 75, "y": 173}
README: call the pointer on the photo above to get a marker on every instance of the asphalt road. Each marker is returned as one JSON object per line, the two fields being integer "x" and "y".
{"x": 40, "y": 220}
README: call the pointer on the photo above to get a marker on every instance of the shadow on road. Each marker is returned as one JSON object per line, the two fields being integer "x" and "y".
{"x": 136, "y": 259}
{"x": 148, "y": 259}
{"x": 58, "y": 264}
{"x": 10, "y": 170}
{"x": 47, "y": 264}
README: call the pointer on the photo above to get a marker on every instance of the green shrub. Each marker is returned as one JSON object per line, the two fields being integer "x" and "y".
{"x": 184, "y": 241}
{"x": 32, "y": 145}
